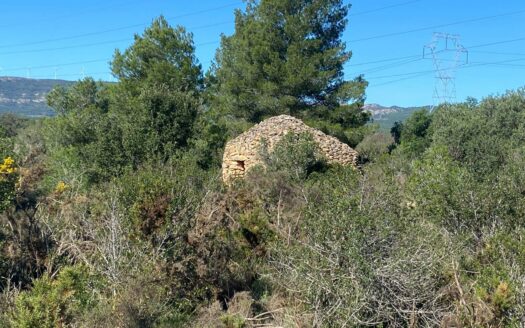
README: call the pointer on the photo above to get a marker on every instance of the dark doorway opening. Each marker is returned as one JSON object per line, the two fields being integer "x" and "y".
{"x": 240, "y": 165}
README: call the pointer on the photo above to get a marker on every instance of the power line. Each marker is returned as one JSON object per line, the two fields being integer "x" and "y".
{"x": 493, "y": 63}
{"x": 102, "y": 43}
{"x": 351, "y": 65}
{"x": 57, "y": 18}
{"x": 46, "y": 77}
{"x": 57, "y": 65}
{"x": 386, "y": 67}
{"x": 413, "y": 75}
{"x": 497, "y": 53}
{"x": 383, "y": 8}
{"x": 115, "y": 29}
{"x": 382, "y": 60}
{"x": 394, "y": 65}
{"x": 422, "y": 73}
{"x": 400, "y": 74}
{"x": 413, "y": 58}
{"x": 381, "y": 36}
{"x": 173, "y": 17}
{"x": 398, "y": 80}
{"x": 496, "y": 43}
{"x": 85, "y": 45}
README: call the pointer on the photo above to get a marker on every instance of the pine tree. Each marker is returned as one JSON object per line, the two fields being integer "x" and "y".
{"x": 287, "y": 57}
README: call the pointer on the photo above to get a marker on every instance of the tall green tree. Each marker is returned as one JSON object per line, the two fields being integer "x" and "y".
{"x": 105, "y": 129}
{"x": 287, "y": 57}
{"x": 158, "y": 97}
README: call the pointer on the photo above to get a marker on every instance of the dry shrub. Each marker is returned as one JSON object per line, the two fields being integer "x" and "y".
{"x": 209, "y": 316}
{"x": 223, "y": 258}
{"x": 243, "y": 311}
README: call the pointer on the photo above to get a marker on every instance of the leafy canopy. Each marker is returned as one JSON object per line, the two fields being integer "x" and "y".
{"x": 158, "y": 97}
{"x": 287, "y": 57}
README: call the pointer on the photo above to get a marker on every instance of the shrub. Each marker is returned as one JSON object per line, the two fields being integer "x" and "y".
{"x": 415, "y": 133}
{"x": 296, "y": 154}
{"x": 482, "y": 136}
{"x": 56, "y": 302}
{"x": 356, "y": 258}
{"x": 374, "y": 146}
{"x": 492, "y": 280}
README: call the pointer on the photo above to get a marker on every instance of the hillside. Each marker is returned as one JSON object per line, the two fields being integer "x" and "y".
{"x": 387, "y": 116}
{"x": 26, "y": 96}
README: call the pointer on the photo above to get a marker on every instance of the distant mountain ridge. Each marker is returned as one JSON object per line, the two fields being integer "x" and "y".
{"x": 26, "y": 96}
{"x": 387, "y": 116}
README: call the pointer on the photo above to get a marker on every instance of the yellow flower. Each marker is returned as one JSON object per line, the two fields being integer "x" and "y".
{"x": 61, "y": 187}
{"x": 7, "y": 167}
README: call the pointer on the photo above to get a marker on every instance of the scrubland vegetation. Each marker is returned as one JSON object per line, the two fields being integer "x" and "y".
{"x": 113, "y": 214}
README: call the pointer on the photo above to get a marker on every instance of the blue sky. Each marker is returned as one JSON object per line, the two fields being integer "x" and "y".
{"x": 77, "y": 38}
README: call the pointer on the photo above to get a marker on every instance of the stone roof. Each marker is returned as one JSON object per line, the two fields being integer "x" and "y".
{"x": 242, "y": 152}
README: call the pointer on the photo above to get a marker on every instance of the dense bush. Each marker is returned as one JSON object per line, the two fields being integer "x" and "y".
{"x": 297, "y": 155}
{"x": 56, "y": 302}
{"x": 374, "y": 146}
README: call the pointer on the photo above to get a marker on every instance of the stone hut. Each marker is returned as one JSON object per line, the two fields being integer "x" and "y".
{"x": 242, "y": 153}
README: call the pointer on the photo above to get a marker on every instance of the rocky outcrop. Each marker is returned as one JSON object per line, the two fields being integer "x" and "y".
{"x": 242, "y": 153}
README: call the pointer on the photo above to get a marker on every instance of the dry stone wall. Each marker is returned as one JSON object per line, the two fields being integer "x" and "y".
{"x": 243, "y": 152}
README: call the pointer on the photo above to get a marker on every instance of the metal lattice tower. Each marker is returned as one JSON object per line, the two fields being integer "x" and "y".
{"x": 447, "y": 54}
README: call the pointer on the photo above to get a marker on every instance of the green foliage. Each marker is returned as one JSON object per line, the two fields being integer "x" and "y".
{"x": 162, "y": 199}
{"x": 287, "y": 57}
{"x": 6, "y": 147}
{"x": 233, "y": 321}
{"x": 413, "y": 135}
{"x": 82, "y": 95}
{"x": 482, "y": 136}
{"x": 374, "y": 146}
{"x": 497, "y": 280}
{"x": 106, "y": 130}
{"x": 212, "y": 132}
{"x": 351, "y": 251}
{"x": 11, "y": 124}
{"x": 437, "y": 188}
{"x": 158, "y": 97}
{"x": 296, "y": 154}
{"x": 84, "y": 141}
{"x": 155, "y": 123}
{"x": 56, "y": 302}
{"x": 162, "y": 55}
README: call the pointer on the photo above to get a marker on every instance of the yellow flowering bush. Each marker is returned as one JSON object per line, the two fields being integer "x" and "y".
{"x": 8, "y": 178}
{"x": 7, "y": 167}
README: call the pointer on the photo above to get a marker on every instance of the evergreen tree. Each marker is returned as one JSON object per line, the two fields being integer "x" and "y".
{"x": 287, "y": 57}
{"x": 105, "y": 129}
{"x": 158, "y": 96}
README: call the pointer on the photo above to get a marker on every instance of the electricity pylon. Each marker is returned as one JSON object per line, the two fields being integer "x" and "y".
{"x": 447, "y": 54}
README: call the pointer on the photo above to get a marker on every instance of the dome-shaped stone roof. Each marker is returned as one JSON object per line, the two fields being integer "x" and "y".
{"x": 242, "y": 152}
